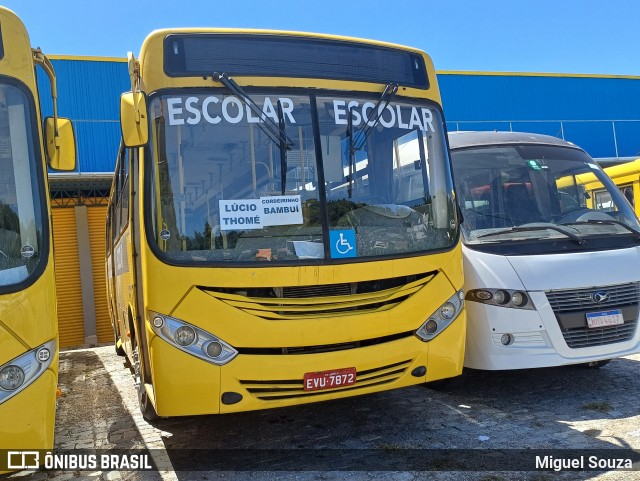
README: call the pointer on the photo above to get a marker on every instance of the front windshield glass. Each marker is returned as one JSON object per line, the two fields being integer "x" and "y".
{"x": 217, "y": 192}
{"x": 20, "y": 203}
{"x": 529, "y": 192}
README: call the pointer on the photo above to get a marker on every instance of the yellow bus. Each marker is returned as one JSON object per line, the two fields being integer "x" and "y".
{"x": 282, "y": 225}
{"x": 627, "y": 177}
{"x": 28, "y": 318}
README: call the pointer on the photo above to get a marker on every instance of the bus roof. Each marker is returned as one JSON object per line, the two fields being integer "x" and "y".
{"x": 461, "y": 140}
{"x": 17, "y": 57}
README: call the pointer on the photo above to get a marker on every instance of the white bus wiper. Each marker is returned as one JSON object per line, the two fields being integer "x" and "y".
{"x": 605, "y": 222}
{"x": 275, "y": 132}
{"x": 389, "y": 91}
{"x": 579, "y": 240}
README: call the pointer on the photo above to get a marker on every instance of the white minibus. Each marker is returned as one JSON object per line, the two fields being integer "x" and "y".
{"x": 551, "y": 277}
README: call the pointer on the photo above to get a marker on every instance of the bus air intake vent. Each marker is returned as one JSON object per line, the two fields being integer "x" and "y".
{"x": 275, "y": 390}
{"x": 313, "y": 301}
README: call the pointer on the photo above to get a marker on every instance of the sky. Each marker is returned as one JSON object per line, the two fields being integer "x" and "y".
{"x": 542, "y": 36}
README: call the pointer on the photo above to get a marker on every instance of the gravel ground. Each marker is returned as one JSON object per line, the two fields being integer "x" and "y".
{"x": 497, "y": 412}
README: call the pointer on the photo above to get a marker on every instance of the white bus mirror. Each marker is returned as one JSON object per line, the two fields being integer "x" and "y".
{"x": 60, "y": 144}
{"x": 133, "y": 119}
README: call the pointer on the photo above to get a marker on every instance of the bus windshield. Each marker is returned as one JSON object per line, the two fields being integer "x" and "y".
{"x": 382, "y": 188}
{"x": 21, "y": 223}
{"x": 529, "y": 192}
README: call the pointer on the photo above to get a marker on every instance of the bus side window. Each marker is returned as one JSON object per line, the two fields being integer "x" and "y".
{"x": 628, "y": 194}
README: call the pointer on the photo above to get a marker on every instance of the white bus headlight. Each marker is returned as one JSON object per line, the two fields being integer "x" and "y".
{"x": 440, "y": 320}
{"x": 20, "y": 372}
{"x": 502, "y": 298}
{"x": 191, "y": 339}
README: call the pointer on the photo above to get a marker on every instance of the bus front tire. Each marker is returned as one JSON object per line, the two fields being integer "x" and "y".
{"x": 146, "y": 406}
{"x": 119, "y": 350}
{"x": 596, "y": 364}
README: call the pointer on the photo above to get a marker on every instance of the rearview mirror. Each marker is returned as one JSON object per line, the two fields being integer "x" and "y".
{"x": 133, "y": 119}
{"x": 60, "y": 150}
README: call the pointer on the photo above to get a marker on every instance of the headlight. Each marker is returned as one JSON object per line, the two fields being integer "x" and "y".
{"x": 11, "y": 378}
{"x": 18, "y": 373}
{"x": 191, "y": 339}
{"x": 501, "y": 297}
{"x": 441, "y": 319}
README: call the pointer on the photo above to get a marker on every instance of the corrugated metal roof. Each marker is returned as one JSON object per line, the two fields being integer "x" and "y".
{"x": 600, "y": 114}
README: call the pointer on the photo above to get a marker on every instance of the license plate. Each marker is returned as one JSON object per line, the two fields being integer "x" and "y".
{"x": 316, "y": 381}
{"x": 605, "y": 318}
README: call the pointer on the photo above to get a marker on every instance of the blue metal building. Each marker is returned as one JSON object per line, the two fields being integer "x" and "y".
{"x": 599, "y": 113}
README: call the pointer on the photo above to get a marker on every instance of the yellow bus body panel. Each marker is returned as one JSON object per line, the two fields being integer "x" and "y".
{"x": 186, "y": 385}
{"x": 27, "y": 418}
{"x": 24, "y": 313}
{"x": 28, "y": 318}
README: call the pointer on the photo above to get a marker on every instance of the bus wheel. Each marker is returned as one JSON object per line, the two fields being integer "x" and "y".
{"x": 439, "y": 385}
{"x": 146, "y": 407}
{"x": 596, "y": 364}
{"x": 116, "y": 338}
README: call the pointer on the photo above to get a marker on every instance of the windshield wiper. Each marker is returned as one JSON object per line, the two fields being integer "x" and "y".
{"x": 579, "y": 240}
{"x": 352, "y": 151}
{"x": 389, "y": 91}
{"x": 275, "y": 132}
{"x": 605, "y": 222}
{"x": 282, "y": 127}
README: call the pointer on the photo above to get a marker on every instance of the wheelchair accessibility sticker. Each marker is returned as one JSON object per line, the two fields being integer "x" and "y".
{"x": 343, "y": 243}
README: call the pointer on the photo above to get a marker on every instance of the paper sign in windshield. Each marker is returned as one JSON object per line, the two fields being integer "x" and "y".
{"x": 244, "y": 214}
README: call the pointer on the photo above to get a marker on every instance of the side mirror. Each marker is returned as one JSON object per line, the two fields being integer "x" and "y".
{"x": 60, "y": 150}
{"x": 133, "y": 119}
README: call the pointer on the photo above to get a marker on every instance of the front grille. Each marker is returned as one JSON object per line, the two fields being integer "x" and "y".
{"x": 600, "y": 336}
{"x": 572, "y": 300}
{"x": 274, "y": 390}
{"x": 300, "y": 302}
{"x": 571, "y": 306}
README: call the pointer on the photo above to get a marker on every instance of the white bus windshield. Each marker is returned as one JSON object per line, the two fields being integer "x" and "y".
{"x": 529, "y": 192}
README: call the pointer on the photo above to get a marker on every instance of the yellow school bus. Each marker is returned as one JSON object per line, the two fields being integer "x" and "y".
{"x": 627, "y": 177}
{"x": 594, "y": 195}
{"x": 282, "y": 225}
{"x": 28, "y": 319}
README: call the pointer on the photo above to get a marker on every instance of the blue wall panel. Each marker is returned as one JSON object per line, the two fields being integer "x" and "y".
{"x": 97, "y": 145}
{"x": 594, "y": 137}
{"x": 628, "y": 138}
{"x": 541, "y": 127}
{"x": 89, "y": 94}
{"x": 522, "y": 100}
